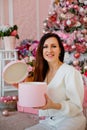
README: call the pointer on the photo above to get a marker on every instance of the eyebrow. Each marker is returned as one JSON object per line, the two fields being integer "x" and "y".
{"x": 50, "y": 43}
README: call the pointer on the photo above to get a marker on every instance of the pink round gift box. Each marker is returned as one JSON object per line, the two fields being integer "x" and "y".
{"x": 15, "y": 72}
{"x": 31, "y": 94}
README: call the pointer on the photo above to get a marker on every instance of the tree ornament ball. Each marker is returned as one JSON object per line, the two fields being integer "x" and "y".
{"x": 5, "y": 113}
{"x": 68, "y": 22}
{"x": 85, "y": 67}
{"x": 14, "y": 98}
{"x": 75, "y": 62}
{"x": 77, "y": 55}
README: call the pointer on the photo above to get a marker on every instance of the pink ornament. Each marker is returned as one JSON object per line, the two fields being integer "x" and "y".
{"x": 64, "y": 10}
{"x": 9, "y": 98}
{"x": 76, "y": 7}
{"x": 77, "y": 55}
{"x": 5, "y": 101}
{"x": 14, "y": 98}
{"x": 85, "y": 19}
{"x": 73, "y": 47}
{"x": 84, "y": 31}
{"x": 5, "y": 113}
{"x": 64, "y": 44}
{"x": 66, "y": 47}
{"x": 67, "y": 3}
{"x": 75, "y": 62}
{"x": 2, "y": 99}
{"x": 81, "y": 48}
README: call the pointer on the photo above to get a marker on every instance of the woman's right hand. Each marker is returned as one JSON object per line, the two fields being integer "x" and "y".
{"x": 15, "y": 85}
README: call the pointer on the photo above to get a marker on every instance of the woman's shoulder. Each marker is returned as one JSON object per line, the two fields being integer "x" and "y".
{"x": 69, "y": 68}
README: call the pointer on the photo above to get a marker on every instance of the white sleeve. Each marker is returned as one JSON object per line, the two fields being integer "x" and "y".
{"x": 74, "y": 92}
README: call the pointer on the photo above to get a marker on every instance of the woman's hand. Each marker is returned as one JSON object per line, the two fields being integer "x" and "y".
{"x": 15, "y": 85}
{"x": 49, "y": 104}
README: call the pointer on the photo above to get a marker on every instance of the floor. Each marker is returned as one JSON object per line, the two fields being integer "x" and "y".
{"x": 17, "y": 121}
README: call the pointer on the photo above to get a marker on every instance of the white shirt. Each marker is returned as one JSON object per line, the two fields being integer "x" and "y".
{"x": 67, "y": 89}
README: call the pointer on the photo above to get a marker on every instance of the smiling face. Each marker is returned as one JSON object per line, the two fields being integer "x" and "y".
{"x": 51, "y": 50}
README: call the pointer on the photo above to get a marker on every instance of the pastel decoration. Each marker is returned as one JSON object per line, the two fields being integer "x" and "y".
{"x": 15, "y": 72}
{"x": 31, "y": 94}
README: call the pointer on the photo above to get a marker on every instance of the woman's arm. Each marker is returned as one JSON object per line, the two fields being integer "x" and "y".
{"x": 74, "y": 93}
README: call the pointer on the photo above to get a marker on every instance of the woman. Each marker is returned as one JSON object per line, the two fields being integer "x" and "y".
{"x": 64, "y": 97}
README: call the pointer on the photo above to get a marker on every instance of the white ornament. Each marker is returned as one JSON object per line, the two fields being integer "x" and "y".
{"x": 68, "y": 22}
{"x": 63, "y": 16}
{"x": 78, "y": 24}
{"x": 49, "y": 13}
{"x": 45, "y": 24}
{"x": 85, "y": 19}
{"x": 81, "y": 10}
{"x": 85, "y": 11}
{"x": 85, "y": 67}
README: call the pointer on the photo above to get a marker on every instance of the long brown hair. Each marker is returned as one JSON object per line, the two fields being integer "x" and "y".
{"x": 41, "y": 65}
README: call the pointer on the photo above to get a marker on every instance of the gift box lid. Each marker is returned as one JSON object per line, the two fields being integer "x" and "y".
{"x": 15, "y": 72}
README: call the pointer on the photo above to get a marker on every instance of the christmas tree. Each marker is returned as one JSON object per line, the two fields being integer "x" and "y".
{"x": 68, "y": 18}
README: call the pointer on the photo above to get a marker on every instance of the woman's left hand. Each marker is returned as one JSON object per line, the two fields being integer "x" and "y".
{"x": 49, "y": 103}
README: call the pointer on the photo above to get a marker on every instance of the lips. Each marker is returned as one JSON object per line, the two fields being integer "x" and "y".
{"x": 50, "y": 55}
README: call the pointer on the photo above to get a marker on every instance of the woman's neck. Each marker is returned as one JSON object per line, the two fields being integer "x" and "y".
{"x": 54, "y": 66}
{"x": 52, "y": 71}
